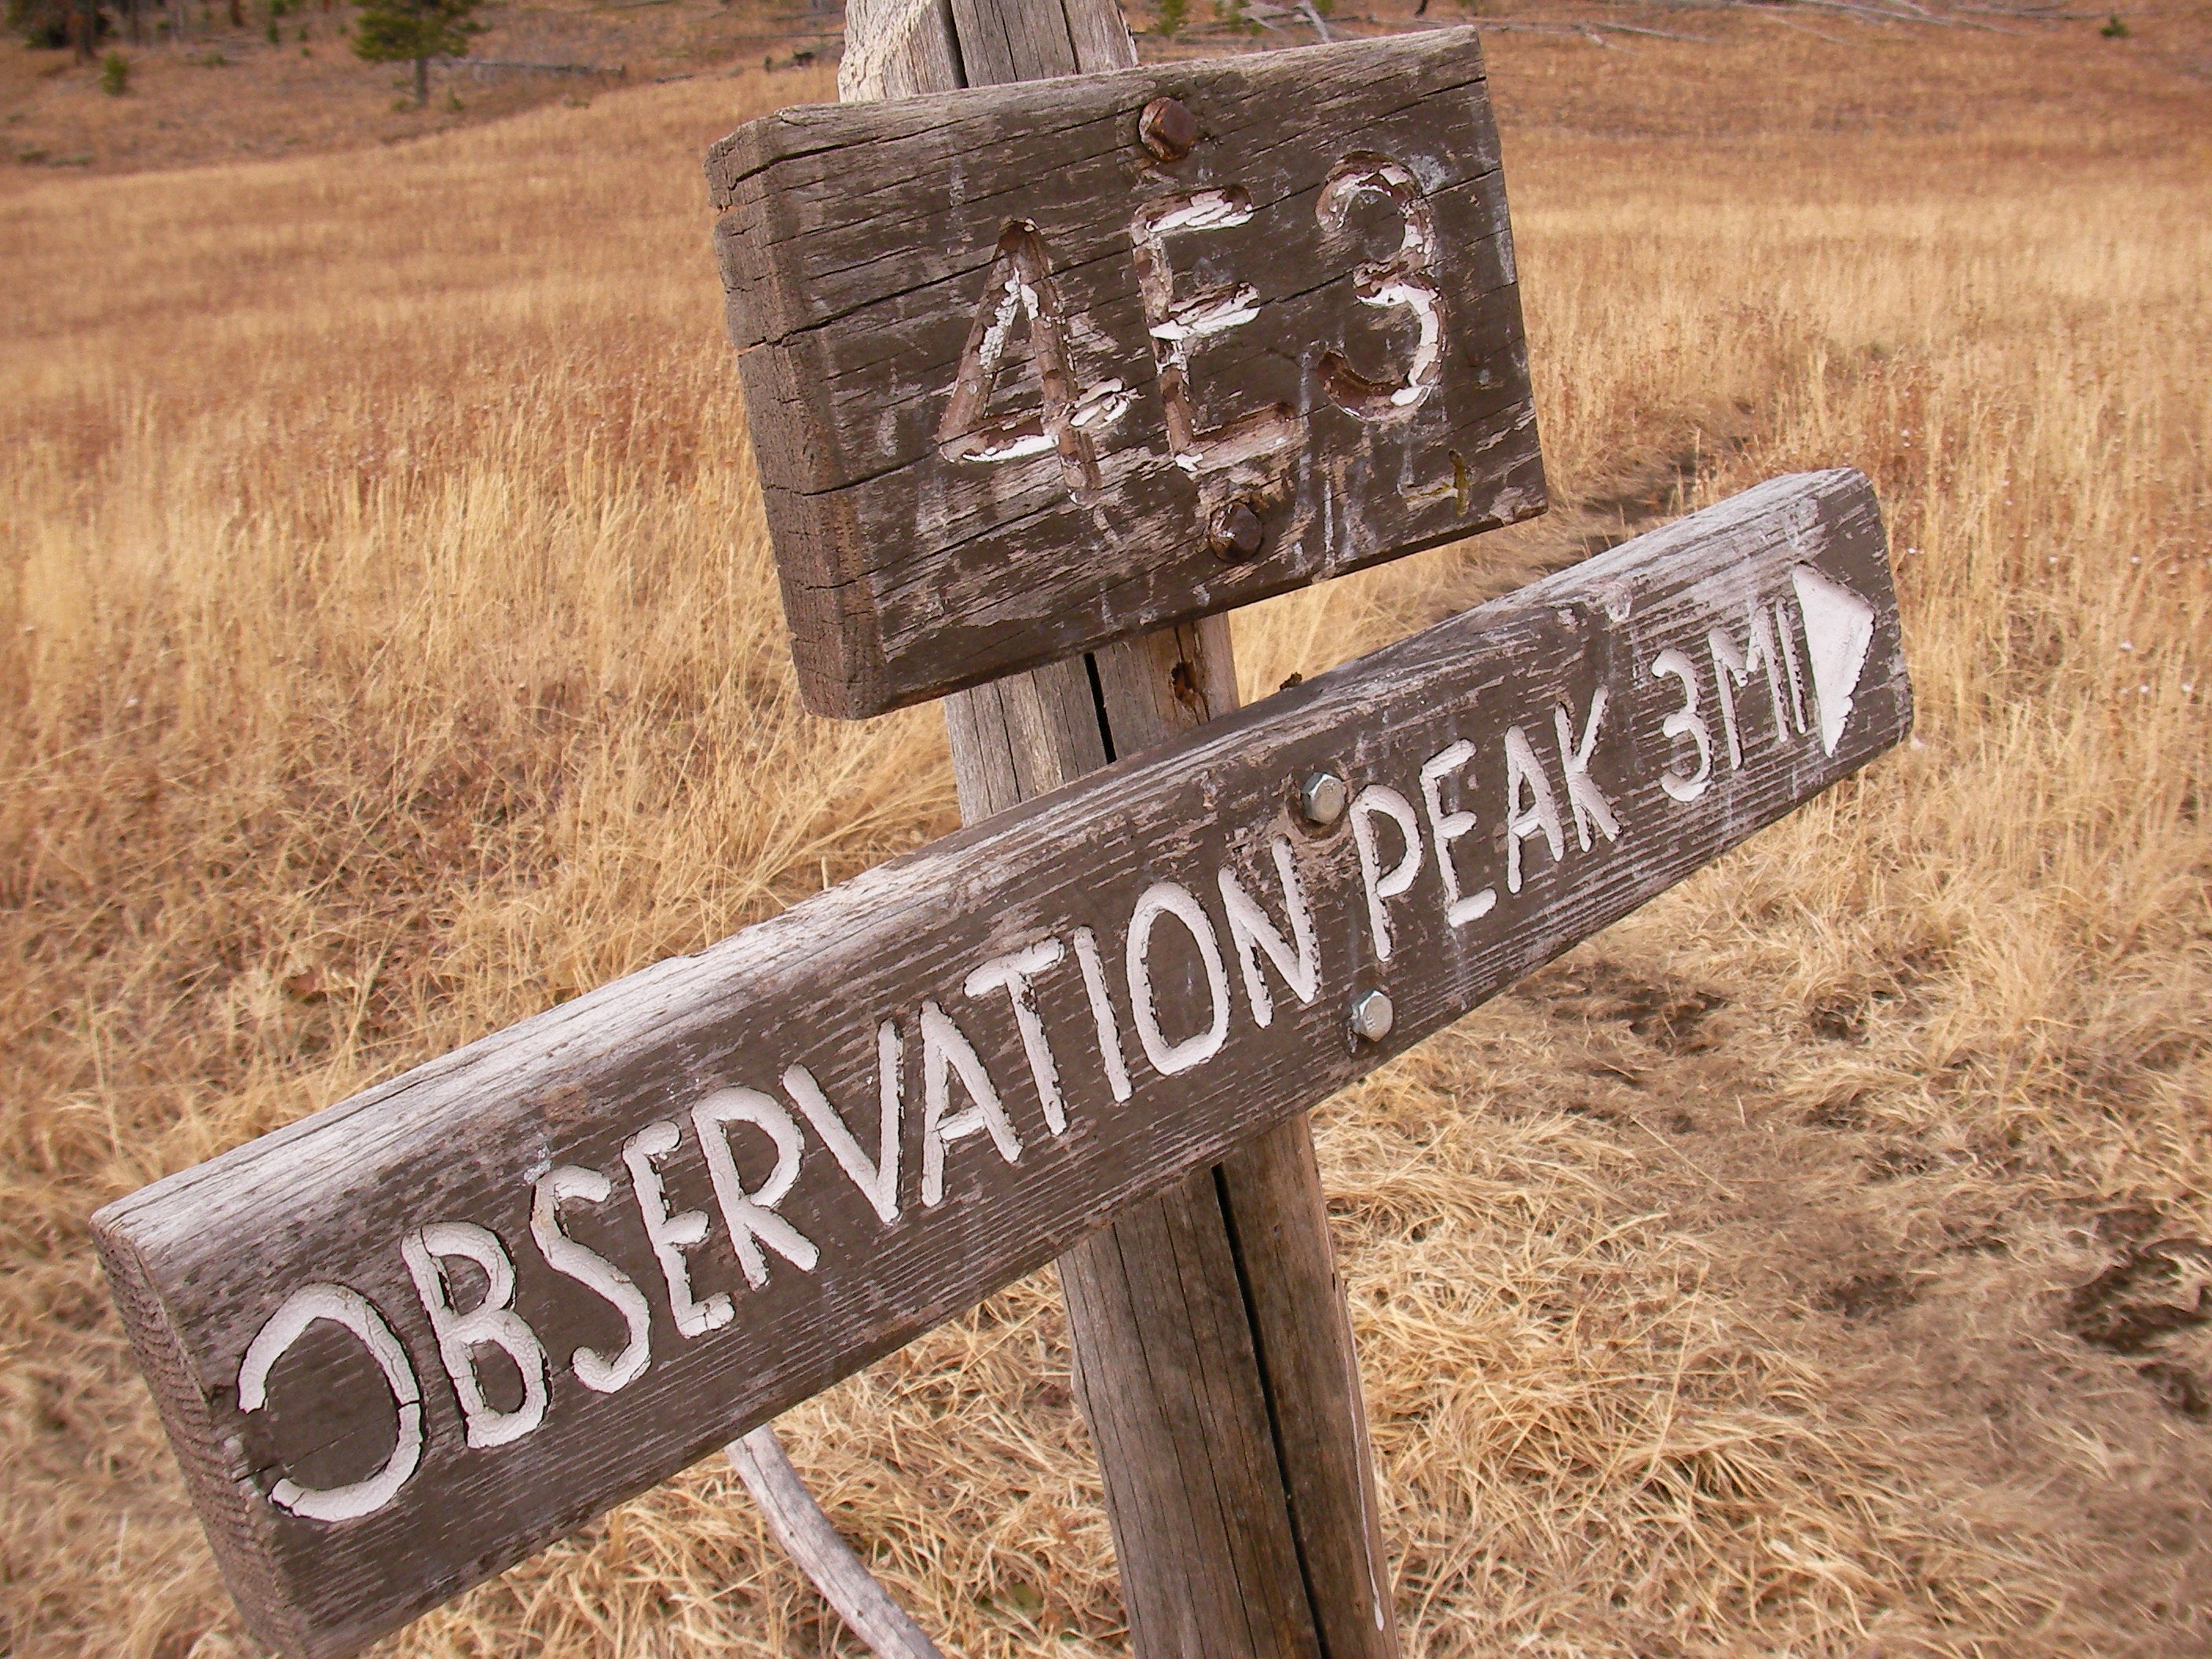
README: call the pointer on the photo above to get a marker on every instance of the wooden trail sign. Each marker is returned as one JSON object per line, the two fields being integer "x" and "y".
{"x": 408, "y": 1341}
{"x": 1030, "y": 369}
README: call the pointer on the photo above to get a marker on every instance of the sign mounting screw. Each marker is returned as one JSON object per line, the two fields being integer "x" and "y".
{"x": 1320, "y": 798}
{"x": 1167, "y": 128}
{"x": 1372, "y": 1016}
{"x": 1235, "y": 531}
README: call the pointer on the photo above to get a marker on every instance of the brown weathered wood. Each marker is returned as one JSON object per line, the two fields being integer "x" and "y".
{"x": 865, "y": 247}
{"x": 204, "y": 1260}
{"x": 1193, "y": 1450}
{"x": 1270, "y": 1191}
{"x": 1168, "y": 1379}
{"x": 895, "y": 48}
{"x": 1167, "y": 1365}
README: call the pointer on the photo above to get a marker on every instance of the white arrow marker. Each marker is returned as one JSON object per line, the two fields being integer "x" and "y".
{"x": 1839, "y": 629}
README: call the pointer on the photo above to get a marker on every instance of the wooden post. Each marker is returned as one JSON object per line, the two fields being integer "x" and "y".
{"x": 1213, "y": 1353}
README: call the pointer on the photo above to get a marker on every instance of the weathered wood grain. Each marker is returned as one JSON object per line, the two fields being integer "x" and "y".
{"x": 1341, "y": 194}
{"x": 1216, "y": 1561}
{"x": 619, "y": 1085}
{"x": 1271, "y": 1194}
{"x": 1208, "y": 1424}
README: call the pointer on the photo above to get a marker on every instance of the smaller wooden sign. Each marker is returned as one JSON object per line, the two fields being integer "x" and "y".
{"x": 410, "y": 1339}
{"x": 1029, "y": 368}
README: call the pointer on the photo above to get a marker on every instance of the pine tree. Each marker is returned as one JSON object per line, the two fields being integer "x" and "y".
{"x": 415, "y": 31}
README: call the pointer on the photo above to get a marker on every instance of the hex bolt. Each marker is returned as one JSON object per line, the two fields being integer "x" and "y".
{"x": 1320, "y": 798}
{"x": 1168, "y": 129}
{"x": 1235, "y": 531}
{"x": 1372, "y": 1016}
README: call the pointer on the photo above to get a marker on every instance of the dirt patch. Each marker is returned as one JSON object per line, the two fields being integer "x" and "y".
{"x": 1670, "y": 1016}
{"x": 1869, "y": 1296}
{"x": 2152, "y": 1292}
{"x": 1990, "y": 1339}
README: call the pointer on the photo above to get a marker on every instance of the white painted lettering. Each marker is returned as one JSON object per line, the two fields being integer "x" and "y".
{"x": 1012, "y": 973}
{"x": 595, "y": 1273}
{"x": 1584, "y": 798}
{"x": 1250, "y": 932}
{"x": 351, "y": 1310}
{"x": 877, "y": 1181}
{"x": 1685, "y": 721}
{"x": 492, "y": 1323}
{"x": 1787, "y": 635}
{"x": 1101, "y": 1013}
{"x": 1761, "y": 654}
{"x": 945, "y": 1050}
{"x": 1540, "y": 815}
{"x": 1174, "y": 324}
{"x": 1021, "y": 284}
{"x": 1730, "y": 664}
{"x": 1400, "y": 282}
{"x": 1838, "y": 634}
{"x": 1166, "y": 898}
{"x": 1445, "y": 828}
{"x": 1727, "y": 659}
{"x": 672, "y": 1234}
{"x": 1379, "y": 799}
{"x": 750, "y": 1216}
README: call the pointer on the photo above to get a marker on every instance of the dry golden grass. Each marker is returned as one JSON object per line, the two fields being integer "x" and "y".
{"x": 390, "y": 649}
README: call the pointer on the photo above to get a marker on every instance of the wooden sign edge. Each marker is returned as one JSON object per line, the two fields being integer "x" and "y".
{"x": 282, "y": 1617}
{"x": 840, "y": 676}
{"x": 844, "y": 667}
{"x": 799, "y": 131}
{"x": 234, "y": 1523}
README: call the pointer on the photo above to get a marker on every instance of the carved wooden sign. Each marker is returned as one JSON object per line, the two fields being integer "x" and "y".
{"x": 1033, "y": 367}
{"x": 413, "y": 1338}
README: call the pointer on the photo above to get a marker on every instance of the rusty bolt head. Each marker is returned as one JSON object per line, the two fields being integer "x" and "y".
{"x": 1372, "y": 1016}
{"x": 1167, "y": 128}
{"x": 1235, "y": 531}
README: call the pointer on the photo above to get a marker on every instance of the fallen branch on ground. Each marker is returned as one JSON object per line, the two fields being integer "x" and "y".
{"x": 1772, "y": 16}
{"x": 479, "y": 65}
{"x": 1663, "y": 34}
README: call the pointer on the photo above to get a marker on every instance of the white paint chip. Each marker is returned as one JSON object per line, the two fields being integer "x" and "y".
{"x": 1251, "y": 934}
{"x": 750, "y": 1216}
{"x": 492, "y": 1323}
{"x": 1839, "y": 629}
{"x": 1685, "y": 722}
{"x": 595, "y": 1273}
{"x": 352, "y": 1311}
{"x": 1445, "y": 828}
{"x": 1012, "y": 973}
{"x": 877, "y": 1180}
{"x": 1380, "y": 800}
{"x": 945, "y": 1052}
{"x": 671, "y": 1236}
{"x": 1168, "y": 898}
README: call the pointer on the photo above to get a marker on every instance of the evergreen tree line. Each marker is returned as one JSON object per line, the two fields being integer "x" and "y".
{"x": 386, "y": 31}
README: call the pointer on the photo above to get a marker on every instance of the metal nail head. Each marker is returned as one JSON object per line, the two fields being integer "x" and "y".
{"x": 1372, "y": 1016}
{"x": 1168, "y": 129}
{"x": 1235, "y": 531}
{"x": 1322, "y": 799}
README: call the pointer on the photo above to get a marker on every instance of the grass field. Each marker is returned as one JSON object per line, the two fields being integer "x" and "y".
{"x": 389, "y": 648}
{"x": 222, "y": 92}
